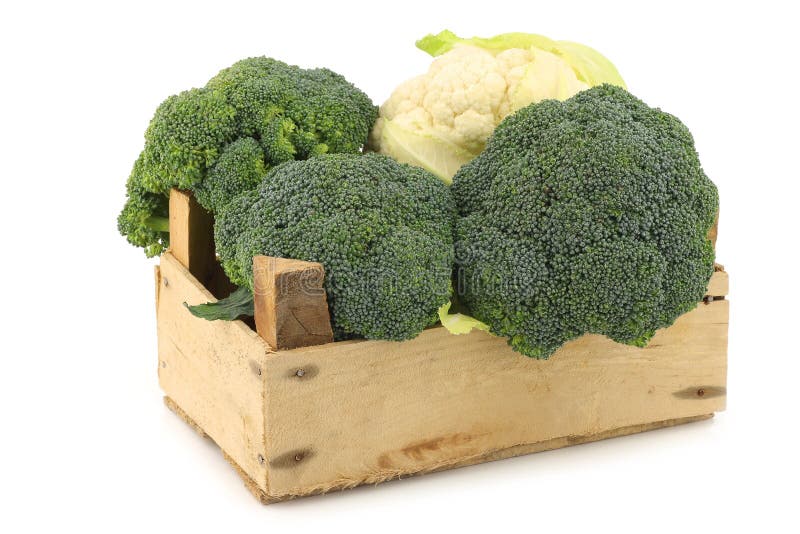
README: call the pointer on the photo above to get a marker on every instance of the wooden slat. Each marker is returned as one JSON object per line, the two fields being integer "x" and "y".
{"x": 718, "y": 285}
{"x": 713, "y": 231}
{"x": 509, "y": 452}
{"x": 191, "y": 234}
{"x": 291, "y": 309}
{"x": 212, "y": 370}
{"x": 355, "y": 412}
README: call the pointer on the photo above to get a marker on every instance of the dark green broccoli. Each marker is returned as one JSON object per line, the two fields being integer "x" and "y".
{"x": 584, "y": 216}
{"x": 289, "y": 112}
{"x": 240, "y": 167}
{"x": 381, "y": 229}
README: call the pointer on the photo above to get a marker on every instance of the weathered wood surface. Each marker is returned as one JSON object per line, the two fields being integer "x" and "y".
{"x": 212, "y": 370}
{"x": 291, "y": 309}
{"x": 510, "y": 452}
{"x": 191, "y": 234}
{"x": 718, "y": 285}
{"x": 348, "y": 413}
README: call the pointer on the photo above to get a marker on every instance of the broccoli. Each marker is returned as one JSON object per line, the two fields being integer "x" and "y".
{"x": 145, "y": 217}
{"x": 184, "y": 139}
{"x": 584, "y": 216}
{"x": 288, "y": 112}
{"x": 296, "y": 113}
{"x": 381, "y": 229}
{"x": 240, "y": 167}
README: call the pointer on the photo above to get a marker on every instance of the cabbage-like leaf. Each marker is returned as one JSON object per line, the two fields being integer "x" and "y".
{"x": 590, "y": 66}
{"x": 458, "y": 323}
{"x": 444, "y": 41}
{"x": 546, "y": 77}
{"x": 433, "y": 154}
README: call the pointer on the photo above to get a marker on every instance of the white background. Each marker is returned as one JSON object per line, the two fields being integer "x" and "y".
{"x": 85, "y": 442}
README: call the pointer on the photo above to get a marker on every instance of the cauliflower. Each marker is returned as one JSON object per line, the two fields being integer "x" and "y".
{"x": 441, "y": 119}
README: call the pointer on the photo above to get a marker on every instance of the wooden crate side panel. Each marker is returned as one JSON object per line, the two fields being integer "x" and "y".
{"x": 211, "y": 370}
{"x": 718, "y": 285}
{"x": 368, "y": 411}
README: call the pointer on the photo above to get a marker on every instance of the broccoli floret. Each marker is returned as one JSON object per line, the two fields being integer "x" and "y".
{"x": 239, "y": 168}
{"x": 145, "y": 218}
{"x": 296, "y": 113}
{"x": 381, "y": 229}
{"x": 584, "y": 216}
{"x": 289, "y": 112}
{"x": 185, "y": 138}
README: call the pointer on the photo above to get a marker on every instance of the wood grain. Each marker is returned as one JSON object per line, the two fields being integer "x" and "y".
{"x": 191, "y": 234}
{"x": 313, "y": 419}
{"x": 377, "y": 410}
{"x": 291, "y": 309}
{"x": 212, "y": 370}
{"x": 510, "y": 452}
{"x": 718, "y": 285}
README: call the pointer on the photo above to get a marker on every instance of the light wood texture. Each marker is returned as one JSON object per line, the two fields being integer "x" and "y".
{"x": 212, "y": 370}
{"x": 291, "y": 309}
{"x": 713, "y": 231}
{"x": 356, "y": 412}
{"x": 510, "y": 452}
{"x": 191, "y": 234}
{"x": 192, "y": 242}
{"x": 313, "y": 419}
{"x": 718, "y": 285}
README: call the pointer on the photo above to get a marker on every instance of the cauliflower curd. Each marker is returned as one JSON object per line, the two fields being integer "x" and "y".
{"x": 441, "y": 119}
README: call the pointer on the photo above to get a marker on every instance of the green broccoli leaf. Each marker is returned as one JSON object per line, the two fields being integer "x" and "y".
{"x": 238, "y": 304}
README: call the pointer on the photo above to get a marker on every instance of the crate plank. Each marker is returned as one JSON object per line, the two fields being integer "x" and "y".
{"x": 718, "y": 285}
{"x": 291, "y": 309}
{"x": 347, "y": 413}
{"x": 191, "y": 234}
{"x": 212, "y": 370}
{"x": 566, "y": 441}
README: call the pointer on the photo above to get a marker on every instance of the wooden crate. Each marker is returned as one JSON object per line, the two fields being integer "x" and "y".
{"x": 313, "y": 419}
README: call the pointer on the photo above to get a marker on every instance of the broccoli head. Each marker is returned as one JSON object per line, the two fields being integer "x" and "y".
{"x": 381, "y": 229}
{"x": 259, "y": 108}
{"x": 584, "y": 216}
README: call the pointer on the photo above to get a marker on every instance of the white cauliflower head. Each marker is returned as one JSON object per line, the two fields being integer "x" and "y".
{"x": 441, "y": 119}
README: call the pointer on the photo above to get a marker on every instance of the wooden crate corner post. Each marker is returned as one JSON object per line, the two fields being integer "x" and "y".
{"x": 291, "y": 309}
{"x": 191, "y": 234}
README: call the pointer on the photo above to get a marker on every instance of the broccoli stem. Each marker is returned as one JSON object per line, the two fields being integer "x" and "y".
{"x": 159, "y": 224}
